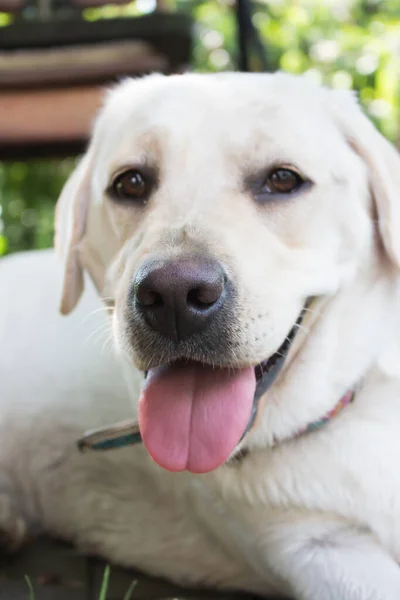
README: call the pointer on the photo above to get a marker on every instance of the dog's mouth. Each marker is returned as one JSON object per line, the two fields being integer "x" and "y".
{"x": 193, "y": 416}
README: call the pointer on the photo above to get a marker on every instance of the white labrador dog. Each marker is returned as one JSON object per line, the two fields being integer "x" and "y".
{"x": 244, "y": 233}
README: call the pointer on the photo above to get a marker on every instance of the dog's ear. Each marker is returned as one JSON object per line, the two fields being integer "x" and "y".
{"x": 70, "y": 226}
{"x": 383, "y": 163}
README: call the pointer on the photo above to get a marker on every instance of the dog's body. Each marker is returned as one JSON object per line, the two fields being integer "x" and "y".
{"x": 118, "y": 504}
{"x": 313, "y": 515}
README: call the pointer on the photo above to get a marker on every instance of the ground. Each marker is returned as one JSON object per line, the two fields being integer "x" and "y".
{"x": 57, "y": 572}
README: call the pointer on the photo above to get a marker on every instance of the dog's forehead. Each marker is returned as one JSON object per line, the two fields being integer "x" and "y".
{"x": 234, "y": 100}
{"x": 283, "y": 116}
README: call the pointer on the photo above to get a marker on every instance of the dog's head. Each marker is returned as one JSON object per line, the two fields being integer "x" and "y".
{"x": 209, "y": 211}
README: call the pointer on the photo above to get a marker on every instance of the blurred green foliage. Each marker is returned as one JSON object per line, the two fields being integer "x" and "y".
{"x": 345, "y": 43}
{"x": 28, "y": 192}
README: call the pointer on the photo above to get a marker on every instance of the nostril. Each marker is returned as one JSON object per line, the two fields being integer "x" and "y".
{"x": 204, "y": 297}
{"x": 199, "y": 300}
{"x": 149, "y": 298}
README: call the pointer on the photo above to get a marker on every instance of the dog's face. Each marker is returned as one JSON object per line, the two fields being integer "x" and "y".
{"x": 209, "y": 210}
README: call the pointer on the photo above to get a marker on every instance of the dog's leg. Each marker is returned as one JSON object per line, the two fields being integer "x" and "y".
{"x": 331, "y": 561}
{"x": 13, "y": 528}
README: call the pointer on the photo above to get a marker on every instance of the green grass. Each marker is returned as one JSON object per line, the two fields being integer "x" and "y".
{"x": 30, "y": 586}
{"x": 130, "y": 590}
{"x": 103, "y": 590}
{"x": 104, "y": 585}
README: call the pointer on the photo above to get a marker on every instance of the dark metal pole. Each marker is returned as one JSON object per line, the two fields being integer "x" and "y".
{"x": 242, "y": 35}
{"x": 247, "y": 36}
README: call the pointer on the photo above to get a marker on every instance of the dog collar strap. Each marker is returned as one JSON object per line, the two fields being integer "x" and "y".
{"x": 127, "y": 432}
{"x": 343, "y": 402}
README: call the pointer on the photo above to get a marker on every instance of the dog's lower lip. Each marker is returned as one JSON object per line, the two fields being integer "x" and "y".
{"x": 267, "y": 371}
{"x": 266, "y": 365}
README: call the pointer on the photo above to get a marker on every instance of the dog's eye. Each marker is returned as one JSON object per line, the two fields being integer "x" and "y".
{"x": 130, "y": 185}
{"x": 283, "y": 181}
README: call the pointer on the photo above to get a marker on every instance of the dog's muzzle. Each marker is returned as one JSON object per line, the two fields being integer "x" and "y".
{"x": 161, "y": 422}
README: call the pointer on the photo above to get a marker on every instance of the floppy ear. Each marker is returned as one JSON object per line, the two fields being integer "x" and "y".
{"x": 70, "y": 226}
{"x": 383, "y": 162}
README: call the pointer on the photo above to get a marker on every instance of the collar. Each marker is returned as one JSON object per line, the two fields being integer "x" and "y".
{"x": 343, "y": 402}
{"x": 313, "y": 426}
{"x": 126, "y": 433}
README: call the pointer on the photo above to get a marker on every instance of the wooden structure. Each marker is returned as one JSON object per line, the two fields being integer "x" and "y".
{"x": 54, "y": 65}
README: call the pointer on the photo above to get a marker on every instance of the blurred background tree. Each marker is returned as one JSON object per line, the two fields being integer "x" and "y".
{"x": 345, "y": 43}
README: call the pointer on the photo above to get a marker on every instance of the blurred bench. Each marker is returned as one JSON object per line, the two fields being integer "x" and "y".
{"x": 54, "y": 65}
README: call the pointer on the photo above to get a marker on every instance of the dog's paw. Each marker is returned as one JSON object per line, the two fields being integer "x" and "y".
{"x": 13, "y": 527}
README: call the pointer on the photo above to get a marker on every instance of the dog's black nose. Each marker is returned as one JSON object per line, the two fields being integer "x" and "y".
{"x": 179, "y": 297}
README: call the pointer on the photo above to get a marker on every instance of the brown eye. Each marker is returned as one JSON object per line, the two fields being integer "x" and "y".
{"x": 283, "y": 181}
{"x": 130, "y": 185}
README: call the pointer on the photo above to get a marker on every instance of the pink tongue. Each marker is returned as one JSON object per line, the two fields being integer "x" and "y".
{"x": 192, "y": 417}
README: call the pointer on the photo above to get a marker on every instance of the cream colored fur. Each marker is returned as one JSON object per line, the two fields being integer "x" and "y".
{"x": 316, "y": 517}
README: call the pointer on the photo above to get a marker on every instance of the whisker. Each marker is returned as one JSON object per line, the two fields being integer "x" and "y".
{"x": 106, "y": 309}
{"x": 310, "y": 310}
{"x": 107, "y": 344}
{"x": 102, "y": 336}
{"x": 101, "y": 330}
{"x": 304, "y": 329}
